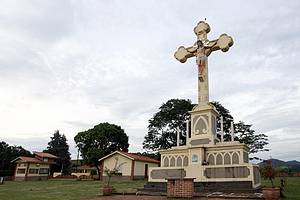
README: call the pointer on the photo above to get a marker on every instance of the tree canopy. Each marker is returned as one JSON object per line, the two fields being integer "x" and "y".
{"x": 100, "y": 141}
{"x": 172, "y": 114}
{"x": 7, "y": 154}
{"x": 59, "y": 147}
{"x": 162, "y": 127}
{"x": 255, "y": 141}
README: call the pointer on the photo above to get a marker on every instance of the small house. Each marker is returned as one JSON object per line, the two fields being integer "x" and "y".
{"x": 33, "y": 168}
{"x": 129, "y": 166}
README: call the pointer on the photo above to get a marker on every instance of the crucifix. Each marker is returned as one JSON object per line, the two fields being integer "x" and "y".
{"x": 201, "y": 50}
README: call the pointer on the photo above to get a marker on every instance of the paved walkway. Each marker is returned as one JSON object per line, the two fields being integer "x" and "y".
{"x": 130, "y": 197}
{"x": 135, "y": 197}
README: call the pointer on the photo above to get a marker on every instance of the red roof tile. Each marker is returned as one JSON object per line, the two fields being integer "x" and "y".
{"x": 45, "y": 155}
{"x": 140, "y": 157}
{"x": 28, "y": 159}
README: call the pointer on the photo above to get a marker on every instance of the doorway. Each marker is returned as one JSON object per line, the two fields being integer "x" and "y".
{"x": 146, "y": 171}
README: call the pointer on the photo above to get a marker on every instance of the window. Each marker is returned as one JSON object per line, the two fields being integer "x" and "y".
{"x": 44, "y": 171}
{"x": 45, "y": 159}
{"x": 21, "y": 171}
{"x": 33, "y": 171}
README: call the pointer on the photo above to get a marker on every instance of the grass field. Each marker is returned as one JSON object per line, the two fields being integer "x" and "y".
{"x": 292, "y": 189}
{"x": 60, "y": 189}
{"x": 77, "y": 190}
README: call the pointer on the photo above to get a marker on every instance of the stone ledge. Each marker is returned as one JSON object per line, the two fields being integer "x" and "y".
{"x": 236, "y": 196}
{"x": 205, "y": 196}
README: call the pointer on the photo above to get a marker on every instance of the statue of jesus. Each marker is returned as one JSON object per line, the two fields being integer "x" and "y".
{"x": 201, "y": 60}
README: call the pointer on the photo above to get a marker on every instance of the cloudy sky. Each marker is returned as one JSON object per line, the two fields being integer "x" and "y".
{"x": 70, "y": 65}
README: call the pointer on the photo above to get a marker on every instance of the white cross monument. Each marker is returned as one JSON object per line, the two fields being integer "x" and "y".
{"x": 211, "y": 164}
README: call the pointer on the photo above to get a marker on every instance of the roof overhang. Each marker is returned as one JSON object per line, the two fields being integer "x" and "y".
{"x": 113, "y": 153}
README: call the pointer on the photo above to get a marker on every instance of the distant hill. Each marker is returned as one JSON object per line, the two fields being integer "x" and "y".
{"x": 293, "y": 165}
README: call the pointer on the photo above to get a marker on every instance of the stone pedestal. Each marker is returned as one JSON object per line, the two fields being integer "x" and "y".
{"x": 183, "y": 187}
{"x": 203, "y": 129}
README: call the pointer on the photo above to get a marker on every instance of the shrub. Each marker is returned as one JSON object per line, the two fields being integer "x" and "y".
{"x": 268, "y": 172}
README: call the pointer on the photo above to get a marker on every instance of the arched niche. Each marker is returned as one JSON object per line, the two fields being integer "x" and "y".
{"x": 185, "y": 161}
{"x": 172, "y": 162}
{"x": 211, "y": 159}
{"x": 179, "y": 162}
{"x": 235, "y": 158}
{"x": 227, "y": 159}
{"x": 219, "y": 159}
{"x": 166, "y": 162}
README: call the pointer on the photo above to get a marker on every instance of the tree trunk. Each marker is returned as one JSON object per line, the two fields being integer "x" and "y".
{"x": 271, "y": 179}
{"x": 98, "y": 170}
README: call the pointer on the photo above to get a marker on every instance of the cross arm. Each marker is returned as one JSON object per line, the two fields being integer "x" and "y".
{"x": 223, "y": 43}
{"x": 182, "y": 53}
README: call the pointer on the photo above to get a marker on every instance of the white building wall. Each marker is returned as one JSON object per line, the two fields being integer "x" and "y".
{"x": 139, "y": 168}
{"x": 110, "y": 163}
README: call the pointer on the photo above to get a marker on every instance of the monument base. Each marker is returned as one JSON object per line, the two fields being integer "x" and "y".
{"x": 180, "y": 187}
{"x": 204, "y": 187}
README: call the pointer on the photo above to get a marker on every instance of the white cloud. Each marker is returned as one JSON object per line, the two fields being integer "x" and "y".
{"x": 73, "y": 64}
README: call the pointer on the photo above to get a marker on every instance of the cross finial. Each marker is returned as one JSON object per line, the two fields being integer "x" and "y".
{"x": 223, "y": 43}
{"x": 202, "y": 48}
{"x": 201, "y": 31}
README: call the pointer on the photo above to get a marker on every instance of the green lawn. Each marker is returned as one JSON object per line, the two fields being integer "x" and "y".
{"x": 292, "y": 190}
{"x": 60, "y": 189}
{"x": 72, "y": 189}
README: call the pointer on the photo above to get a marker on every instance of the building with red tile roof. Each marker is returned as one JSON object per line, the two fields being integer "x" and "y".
{"x": 45, "y": 155}
{"x": 129, "y": 165}
{"x": 33, "y": 168}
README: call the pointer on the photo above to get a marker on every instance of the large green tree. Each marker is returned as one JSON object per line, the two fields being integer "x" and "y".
{"x": 7, "y": 154}
{"x": 162, "y": 127}
{"x": 59, "y": 147}
{"x": 173, "y": 113}
{"x": 255, "y": 141}
{"x": 100, "y": 141}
